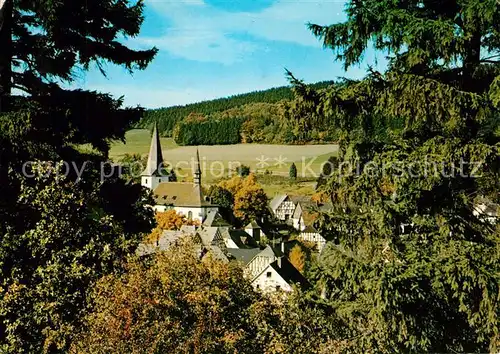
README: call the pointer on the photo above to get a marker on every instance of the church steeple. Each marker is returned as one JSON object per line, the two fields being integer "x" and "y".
{"x": 197, "y": 169}
{"x": 153, "y": 175}
{"x": 155, "y": 158}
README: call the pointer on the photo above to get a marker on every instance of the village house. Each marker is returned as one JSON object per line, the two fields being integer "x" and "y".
{"x": 268, "y": 269}
{"x": 254, "y": 260}
{"x": 279, "y": 275}
{"x": 297, "y": 212}
{"x": 310, "y": 234}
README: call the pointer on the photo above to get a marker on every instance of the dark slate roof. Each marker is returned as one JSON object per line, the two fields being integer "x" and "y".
{"x": 242, "y": 239}
{"x": 180, "y": 194}
{"x": 297, "y": 213}
{"x": 217, "y": 253}
{"x": 167, "y": 238}
{"x": 309, "y": 230}
{"x": 276, "y": 201}
{"x": 270, "y": 251}
{"x": 243, "y": 255}
{"x": 214, "y": 219}
{"x": 207, "y": 235}
{"x": 289, "y": 273}
{"x": 252, "y": 225}
{"x": 155, "y": 157}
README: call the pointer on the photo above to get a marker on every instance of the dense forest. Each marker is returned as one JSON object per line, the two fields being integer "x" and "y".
{"x": 167, "y": 118}
{"x": 200, "y": 131}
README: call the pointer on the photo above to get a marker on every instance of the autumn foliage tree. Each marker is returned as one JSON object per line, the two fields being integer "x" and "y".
{"x": 168, "y": 220}
{"x": 59, "y": 235}
{"x": 250, "y": 200}
{"x": 297, "y": 258}
{"x": 178, "y": 303}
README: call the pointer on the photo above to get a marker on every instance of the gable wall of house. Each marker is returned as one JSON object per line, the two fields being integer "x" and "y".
{"x": 218, "y": 240}
{"x": 313, "y": 237}
{"x": 299, "y": 224}
{"x": 258, "y": 264}
{"x": 285, "y": 210}
{"x": 269, "y": 281}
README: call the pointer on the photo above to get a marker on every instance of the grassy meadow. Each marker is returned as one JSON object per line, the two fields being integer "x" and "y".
{"x": 218, "y": 161}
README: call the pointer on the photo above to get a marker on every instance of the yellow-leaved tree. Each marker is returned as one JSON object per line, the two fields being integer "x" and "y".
{"x": 177, "y": 303}
{"x": 168, "y": 220}
{"x": 298, "y": 258}
{"x": 250, "y": 200}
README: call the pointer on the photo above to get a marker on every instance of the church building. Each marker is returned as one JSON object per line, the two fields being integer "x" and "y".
{"x": 185, "y": 198}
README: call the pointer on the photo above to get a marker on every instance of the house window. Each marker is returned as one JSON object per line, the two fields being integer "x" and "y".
{"x": 278, "y": 288}
{"x": 190, "y": 215}
{"x": 268, "y": 274}
{"x": 258, "y": 286}
{"x": 159, "y": 180}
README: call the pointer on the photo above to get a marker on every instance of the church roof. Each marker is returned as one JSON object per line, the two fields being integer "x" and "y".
{"x": 155, "y": 157}
{"x": 197, "y": 167}
{"x": 180, "y": 194}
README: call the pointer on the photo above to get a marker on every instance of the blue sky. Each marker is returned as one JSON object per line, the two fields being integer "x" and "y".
{"x": 216, "y": 48}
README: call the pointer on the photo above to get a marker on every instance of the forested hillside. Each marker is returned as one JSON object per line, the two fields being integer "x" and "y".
{"x": 167, "y": 118}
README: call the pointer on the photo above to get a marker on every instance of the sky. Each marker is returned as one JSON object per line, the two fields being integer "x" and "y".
{"x": 216, "y": 48}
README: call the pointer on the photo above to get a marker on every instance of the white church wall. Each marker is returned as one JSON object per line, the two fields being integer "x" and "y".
{"x": 152, "y": 182}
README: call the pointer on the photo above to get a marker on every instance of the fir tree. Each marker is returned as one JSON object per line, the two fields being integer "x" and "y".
{"x": 293, "y": 171}
{"x": 59, "y": 235}
{"x": 411, "y": 265}
{"x": 172, "y": 177}
{"x": 243, "y": 171}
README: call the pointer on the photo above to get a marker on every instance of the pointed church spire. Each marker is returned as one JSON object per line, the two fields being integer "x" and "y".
{"x": 155, "y": 158}
{"x": 197, "y": 169}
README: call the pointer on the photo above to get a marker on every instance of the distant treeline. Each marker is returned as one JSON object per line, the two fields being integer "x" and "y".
{"x": 167, "y": 118}
{"x": 203, "y": 131}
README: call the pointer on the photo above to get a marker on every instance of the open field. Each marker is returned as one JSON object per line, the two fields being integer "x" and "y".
{"x": 218, "y": 161}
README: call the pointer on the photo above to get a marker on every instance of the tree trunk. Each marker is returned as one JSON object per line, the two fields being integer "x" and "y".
{"x": 472, "y": 60}
{"x": 6, "y": 8}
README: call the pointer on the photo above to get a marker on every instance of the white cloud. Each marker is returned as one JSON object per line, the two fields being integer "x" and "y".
{"x": 204, "y": 33}
{"x": 202, "y": 46}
